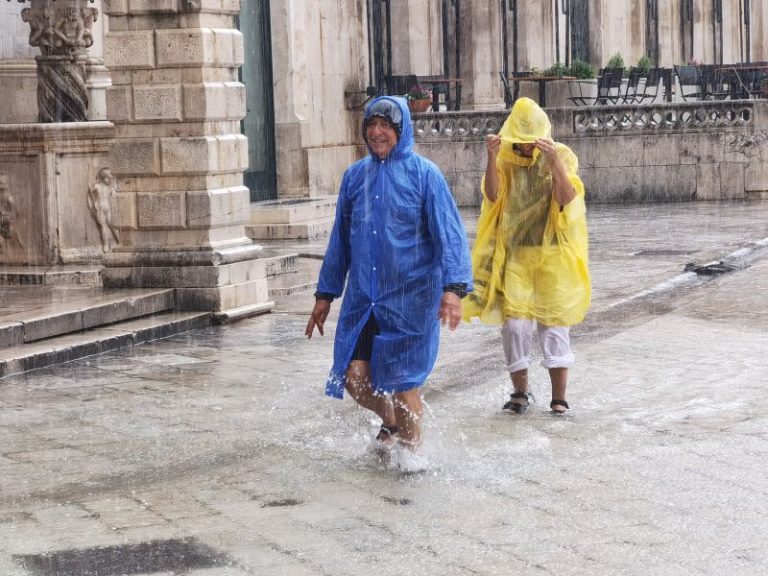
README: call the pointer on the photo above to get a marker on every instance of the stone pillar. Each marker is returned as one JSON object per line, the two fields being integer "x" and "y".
{"x": 536, "y": 43}
{"x": 417, "y": 41}
{"x": 481, "y": 55}
{"x": 179, "y": 155}
{"x": 290, "y": 96}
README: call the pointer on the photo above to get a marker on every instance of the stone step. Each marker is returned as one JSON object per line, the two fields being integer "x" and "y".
{"x": 293, "y": 210}
{"x": 73, "y": 346}
{"x": 278, "y": 263}
{"x": 69, "y": 275}
{"x": 304, "y": 230}
{"x": 302, "y": 279}
{"x": 46, "y": 312}
{"x": 292, "y": 284}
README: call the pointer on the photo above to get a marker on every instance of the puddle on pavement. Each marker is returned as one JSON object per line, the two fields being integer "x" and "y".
{"x": 160, "y": 556}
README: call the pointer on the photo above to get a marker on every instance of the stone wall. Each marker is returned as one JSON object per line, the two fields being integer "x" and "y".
{"x": 665, "y": 152}
{"x": 320, "y": 60}
{"x": 46, "y": 171}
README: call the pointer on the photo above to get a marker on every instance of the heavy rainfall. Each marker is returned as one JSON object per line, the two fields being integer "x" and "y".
{"x": 171, "y": 173}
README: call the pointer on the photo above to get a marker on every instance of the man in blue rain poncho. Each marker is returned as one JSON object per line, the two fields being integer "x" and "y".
{"x": 399, "y": 243}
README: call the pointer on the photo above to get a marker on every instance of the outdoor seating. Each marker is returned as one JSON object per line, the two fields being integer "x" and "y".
{"x": 580, "y": 92}
{"x": 615, "y": 84}
{"x": 690, "y": 82}
{"x": 631, "y": 95}
{"x": 650, "y": 87}
{"x": 609, "y": 84}
{"x": 446, "y": 91}
{"x": 399, "y": 85}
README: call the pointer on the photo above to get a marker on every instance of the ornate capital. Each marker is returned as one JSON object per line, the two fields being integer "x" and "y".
{"x": 61, "y": 28}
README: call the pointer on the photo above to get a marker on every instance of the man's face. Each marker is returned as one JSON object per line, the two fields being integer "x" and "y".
{"x": 381, "y": 136}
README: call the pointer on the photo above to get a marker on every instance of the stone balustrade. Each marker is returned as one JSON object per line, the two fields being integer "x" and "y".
{"x": 661, "y": 152}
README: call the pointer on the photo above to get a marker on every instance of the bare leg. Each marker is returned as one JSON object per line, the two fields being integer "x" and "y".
{"x": 520, "y": 384}
{"x": 408, "y": 409}
{"x": 559, "y": 379}
{"x": 359, "y": 387}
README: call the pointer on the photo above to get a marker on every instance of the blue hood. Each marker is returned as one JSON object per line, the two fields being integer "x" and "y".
{"x": 405, "y": 142}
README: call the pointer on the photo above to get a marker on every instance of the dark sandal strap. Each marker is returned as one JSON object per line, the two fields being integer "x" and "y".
{"x": 518, "y": 407}
{"x": 562, "y": 403}
{"x": 388, "y": 430}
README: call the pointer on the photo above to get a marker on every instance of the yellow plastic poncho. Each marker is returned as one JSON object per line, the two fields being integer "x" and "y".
{"x": 530, "y": 258}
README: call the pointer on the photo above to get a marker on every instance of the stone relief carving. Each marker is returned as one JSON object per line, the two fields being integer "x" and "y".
{"x": 63, "y": 34}
{"x": 99, "y": 200}
{"x": 9, "y": 238}
{"x": 60, "y": 31}
{"x": 73, "y": 28}
{"x": 749, "y": 145}
{"x": 40, "y": 23}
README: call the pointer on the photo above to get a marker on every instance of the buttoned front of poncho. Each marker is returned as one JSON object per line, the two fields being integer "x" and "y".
{"x": 396, "y": 241}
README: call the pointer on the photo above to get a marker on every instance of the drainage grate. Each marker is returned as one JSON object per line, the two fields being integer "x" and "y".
{"x": 145, "y": 558}
{"x": 710, "y": 269}
{"x": 662, "y": 252}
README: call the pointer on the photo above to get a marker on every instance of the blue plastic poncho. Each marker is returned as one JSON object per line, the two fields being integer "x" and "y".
{"x": 397, "y": 240}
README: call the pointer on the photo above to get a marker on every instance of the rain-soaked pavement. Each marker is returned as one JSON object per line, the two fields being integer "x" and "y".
{"x": 215, "y": 453}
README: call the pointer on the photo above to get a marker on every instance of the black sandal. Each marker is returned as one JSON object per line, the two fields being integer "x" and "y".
{"x": 386, "y": 433}
{"x": 516, "y": 407}
{"x": 562, "y": 403}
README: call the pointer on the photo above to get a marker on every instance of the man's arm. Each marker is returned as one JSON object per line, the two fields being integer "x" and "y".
{"x": 333, "y": 272}
{"x": 318, "y": 316}
{"x": 450, "y": 310}
{"x": 450, "y": 304}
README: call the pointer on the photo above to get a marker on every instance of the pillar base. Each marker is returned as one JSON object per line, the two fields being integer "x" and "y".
{"x": 224, "y": 281}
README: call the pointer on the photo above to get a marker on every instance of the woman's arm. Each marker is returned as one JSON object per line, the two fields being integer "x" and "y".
{"x": 563, "y": 191}
{"x": 492, "y": 147}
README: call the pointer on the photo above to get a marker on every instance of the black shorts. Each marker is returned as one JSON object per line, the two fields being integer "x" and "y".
{"x": 364, "y": 345}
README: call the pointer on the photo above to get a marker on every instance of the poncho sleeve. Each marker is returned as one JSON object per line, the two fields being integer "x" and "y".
{"x": 576, "y": 209}
{"x": 333, "y": 272}
{"x": 447, "y": 232}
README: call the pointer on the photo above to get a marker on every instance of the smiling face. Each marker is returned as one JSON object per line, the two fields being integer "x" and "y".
{"x": 380, "y": 136}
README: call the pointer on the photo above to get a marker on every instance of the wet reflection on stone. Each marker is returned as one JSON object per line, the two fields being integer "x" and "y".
{"x": 145, "y": 558}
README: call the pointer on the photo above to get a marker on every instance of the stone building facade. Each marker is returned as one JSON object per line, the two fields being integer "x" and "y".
{"x": 179, "y": 120}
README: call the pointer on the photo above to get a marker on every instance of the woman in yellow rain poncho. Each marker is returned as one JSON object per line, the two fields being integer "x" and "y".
{"x": 530, "y": 257}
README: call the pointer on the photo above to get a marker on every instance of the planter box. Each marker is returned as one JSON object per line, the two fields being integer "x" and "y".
{"x": 558, "y": 92}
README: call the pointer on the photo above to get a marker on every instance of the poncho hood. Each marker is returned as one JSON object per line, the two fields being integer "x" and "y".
{"x": 526, "y": 123}
{"x": 405, "y": 142}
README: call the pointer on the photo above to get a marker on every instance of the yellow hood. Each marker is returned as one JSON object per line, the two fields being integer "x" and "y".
{"x": 526, "y": 123}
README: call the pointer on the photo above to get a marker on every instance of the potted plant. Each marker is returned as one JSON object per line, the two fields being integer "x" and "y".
{"x": 419, "y": 98}
{"x": 581, "y": 70}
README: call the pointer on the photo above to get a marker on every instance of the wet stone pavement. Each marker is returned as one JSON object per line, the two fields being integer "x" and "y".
{"x": 215, "y": 453}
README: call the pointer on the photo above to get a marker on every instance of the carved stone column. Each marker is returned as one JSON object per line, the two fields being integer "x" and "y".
{"x": 62, "y": 30}
{"x": 179, "y": 155}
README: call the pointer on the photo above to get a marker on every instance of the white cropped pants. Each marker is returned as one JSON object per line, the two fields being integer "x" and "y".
{"x": 555, "y": 342}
